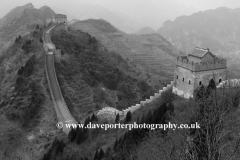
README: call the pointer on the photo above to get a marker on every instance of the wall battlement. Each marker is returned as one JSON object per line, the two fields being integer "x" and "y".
{"x": 201, "y": 66}
{"x": 110, "y": 113}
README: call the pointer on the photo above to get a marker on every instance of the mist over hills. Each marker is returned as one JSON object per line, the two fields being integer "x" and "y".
{"x": 128, "y": 16}
{"x": 217, "y": 29}
{"x": 122, "y": 21}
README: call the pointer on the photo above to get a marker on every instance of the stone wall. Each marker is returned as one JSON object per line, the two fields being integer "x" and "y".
{"x": 181, "y": 93}
{"x": 219, "y": 64}
{"x": 110, "y": 113}
{"x": 224, "y": 84}
{"x": 206, "y": 76}
{"x": 57, "y": 55}
{"x": 60, "y": 106}
{"x": 201, "y": 66}
{"x": 186, "y": 81}
{"x": 185, "y": 63}
{"x": 182, "y": 78}
{"x": 229, "y": 83}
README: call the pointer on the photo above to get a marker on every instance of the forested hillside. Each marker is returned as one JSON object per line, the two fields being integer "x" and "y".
{"x": 151, "y": 53}
{"x": 28, "y": 120}
{"x": 91, "y": 77}
{"x": 216, "y": 112}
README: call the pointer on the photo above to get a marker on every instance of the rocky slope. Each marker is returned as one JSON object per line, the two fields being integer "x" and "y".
{"x": 152, "y": 53}
{"x": 217, "y": 29}
{"x": 19, "y": 20}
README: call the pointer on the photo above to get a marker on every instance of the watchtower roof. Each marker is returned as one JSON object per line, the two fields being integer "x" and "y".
{"x": 60, "y": 15}
{"x": 200, "y": 52}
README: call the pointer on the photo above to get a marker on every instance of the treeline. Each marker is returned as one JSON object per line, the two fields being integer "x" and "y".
{"x": 124, "y": 145}
{"x": 215, "y": 109}
{"x": 79, "y": 135}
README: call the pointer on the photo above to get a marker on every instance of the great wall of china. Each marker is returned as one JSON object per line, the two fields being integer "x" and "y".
{"x": 63, "y": 114}
{"x": 229, "y": 83}
{"x": 110, "y": 113}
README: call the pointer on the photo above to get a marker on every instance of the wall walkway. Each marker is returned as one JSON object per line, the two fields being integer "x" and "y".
{"x": 63, "y": 114}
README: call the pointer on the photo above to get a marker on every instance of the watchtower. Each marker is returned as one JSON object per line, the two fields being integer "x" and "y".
{"x": 58, "y": 18}
{"x": 196, "y": 69}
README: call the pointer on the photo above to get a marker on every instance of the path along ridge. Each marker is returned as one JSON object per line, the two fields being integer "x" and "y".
{"x": 63, "y": 114}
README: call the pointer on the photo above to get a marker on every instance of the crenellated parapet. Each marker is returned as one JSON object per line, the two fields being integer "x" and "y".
{"x": 229, "y": 83}
{"x": 185, "y": 63}
{"x": 198, "y": 68}
{"x": 218, "y": 63}
{"x": 110, "y": 113}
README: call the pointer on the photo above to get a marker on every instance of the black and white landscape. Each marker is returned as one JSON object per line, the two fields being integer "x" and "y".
{"x": 112, "y": 62}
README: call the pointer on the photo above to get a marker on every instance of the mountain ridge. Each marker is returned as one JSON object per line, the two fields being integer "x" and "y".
{"x": 19, "y": 20}
{"x": 151, "y": 53}
{"x": 216, "y": 29}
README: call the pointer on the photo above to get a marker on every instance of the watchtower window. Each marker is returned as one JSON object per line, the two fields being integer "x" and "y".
{"x": 200, "y": 83}
{"x": 183, "y": 79}
{"x": 177, "y": 76}
{"x": 189, "y": 82}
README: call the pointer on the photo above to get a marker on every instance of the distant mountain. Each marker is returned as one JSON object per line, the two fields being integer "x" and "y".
{"x": 217, "y": 29}
{"x": 146, "y": 30}
{"x": 19, "y": 20}
{"x": 152, "y": 53}
{"x": 150, "y": 13}
{"x": 128, "y": 16}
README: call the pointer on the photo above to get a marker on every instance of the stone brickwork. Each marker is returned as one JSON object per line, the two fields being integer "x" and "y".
{"x": 63, "y": 114}
{"x": 58, "y": 18}
{"x": 201, "y": 66}
{"x": 229, "y": 83}
{"x": 110, "y": 113}
{"x": 57, "y": 55}
{"x": 197, "y": 69}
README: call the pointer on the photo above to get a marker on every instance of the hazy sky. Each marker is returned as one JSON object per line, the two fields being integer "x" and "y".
{"x": 134, "y": 14}
{"x": 7, "y": 5}
{"x": 211, "y": 4}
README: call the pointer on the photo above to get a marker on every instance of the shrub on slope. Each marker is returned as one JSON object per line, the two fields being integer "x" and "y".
{"x": 85, "y": 60}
